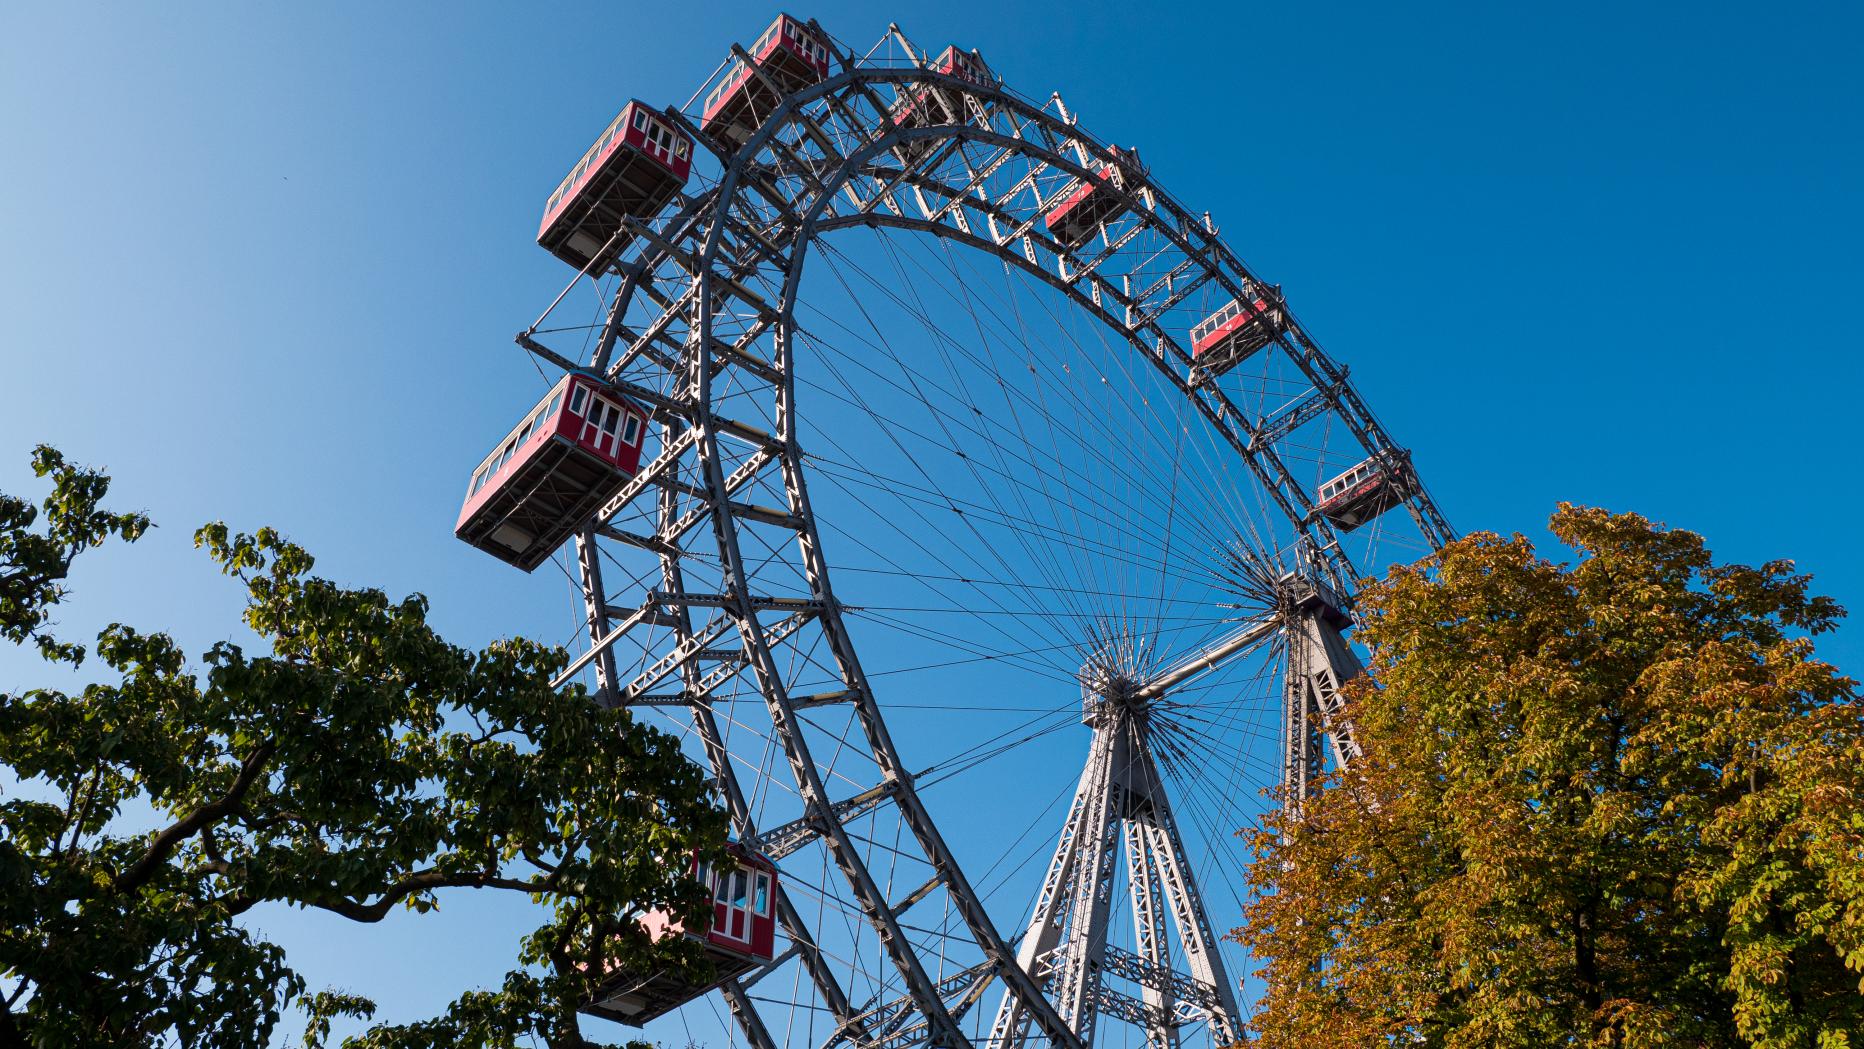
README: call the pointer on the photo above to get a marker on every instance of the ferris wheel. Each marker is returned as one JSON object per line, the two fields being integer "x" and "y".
{"x": 998, "y": 568}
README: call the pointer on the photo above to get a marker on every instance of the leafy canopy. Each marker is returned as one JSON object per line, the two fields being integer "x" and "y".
{"x": 33, "y": 566}
{"x": 1609, "y": 803}
{"x": 360, "y": 765}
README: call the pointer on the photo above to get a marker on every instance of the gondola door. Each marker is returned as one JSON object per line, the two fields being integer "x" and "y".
{"x": 731, "y": 916}
{"x": 601, "y": 425}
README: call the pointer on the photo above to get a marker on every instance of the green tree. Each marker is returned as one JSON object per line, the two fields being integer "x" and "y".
{"x": 1617, "y": 802}
{"x": 360, "y": 766}
{"x": 33, "y": 567}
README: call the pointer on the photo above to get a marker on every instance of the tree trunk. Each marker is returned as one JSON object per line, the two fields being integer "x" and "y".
{"x": 1586, "y": 964}
{"x": 10, "y": 1036}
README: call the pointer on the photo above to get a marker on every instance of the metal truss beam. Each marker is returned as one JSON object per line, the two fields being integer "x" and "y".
{"x": 1319, "y": 662}
{"x": 782, "y": 841}
{"x": 1120, "y": 806}
{"x": 710, "y": 271}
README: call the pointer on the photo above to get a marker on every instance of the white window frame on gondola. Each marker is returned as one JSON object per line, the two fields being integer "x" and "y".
{"x": 1348, "y": 480}
{"x": 738, "y": 73}
{"x": 660, "y": 139}
{"x": 1213, "y": 322}
{"x": 1232, "y": 310}
{"x": 733, "y": 892}
{"x": 602, "y": 425}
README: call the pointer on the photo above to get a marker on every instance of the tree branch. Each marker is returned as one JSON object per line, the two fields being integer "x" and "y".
{"x": 165, "y": 842}
{"x": 423, "y": 881}
{"x": 84, "y": 811}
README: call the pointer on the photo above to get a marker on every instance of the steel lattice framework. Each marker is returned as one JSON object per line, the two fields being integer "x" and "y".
{"x": 702, "y": 329}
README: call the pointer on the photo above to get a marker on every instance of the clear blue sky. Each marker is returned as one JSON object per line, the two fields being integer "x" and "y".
{"x": 264, "y": 262}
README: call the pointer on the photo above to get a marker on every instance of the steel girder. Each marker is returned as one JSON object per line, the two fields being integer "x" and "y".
{"x": 721, "y": 276}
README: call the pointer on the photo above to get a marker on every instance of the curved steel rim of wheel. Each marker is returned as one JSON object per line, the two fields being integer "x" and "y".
{"x": 716, "y": 281}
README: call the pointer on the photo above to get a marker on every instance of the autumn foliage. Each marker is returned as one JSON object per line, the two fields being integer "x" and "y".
{"x": 1617, "y": 802}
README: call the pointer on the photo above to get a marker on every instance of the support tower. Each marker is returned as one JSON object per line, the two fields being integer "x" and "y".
{"x": 1121, "y": 823}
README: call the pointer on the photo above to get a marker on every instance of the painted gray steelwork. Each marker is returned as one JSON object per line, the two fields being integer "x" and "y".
{"x": 704, "y": 318}
{"x": 1122, "y": 802}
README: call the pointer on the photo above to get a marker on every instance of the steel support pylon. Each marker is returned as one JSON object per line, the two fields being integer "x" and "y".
{"x": 1319, "y": 662}
{"x": 1121, "y": 812}
{"x": 1120, "y": 807}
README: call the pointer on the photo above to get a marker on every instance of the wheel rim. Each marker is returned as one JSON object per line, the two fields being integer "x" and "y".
{"x": 743, "y": 629}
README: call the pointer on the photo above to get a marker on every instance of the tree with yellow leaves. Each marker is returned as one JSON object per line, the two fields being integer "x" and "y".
{"x": 1617, "y": 802}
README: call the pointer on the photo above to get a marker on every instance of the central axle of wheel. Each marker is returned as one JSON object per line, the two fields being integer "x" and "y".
{"x": 1105, "y": 692}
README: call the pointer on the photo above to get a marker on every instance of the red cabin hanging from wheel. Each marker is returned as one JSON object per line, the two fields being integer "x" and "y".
{"x": 925, "y": 105}
{"x": 1094, "y": 202}
{"x": 634, "y": 170}
{"x": 788, "y": 52}
{"x": 1367, "y": 490}
{"x": 1234, "y": 333}
{"x": 742, "y": 938}
{"x": 550, "y": 474}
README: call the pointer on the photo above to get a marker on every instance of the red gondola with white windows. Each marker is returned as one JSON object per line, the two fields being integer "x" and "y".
{"x": 789, "y": 53}
{"x": 1094, "y": 202}
{"x": 926, "y": 105}
{"x": 1367, "y": 490}
{"x": 551, "y": 473}
{"x": 743, "y": 937}
{"x": 1234, "y": 333}
{"x": 634, "y": 170}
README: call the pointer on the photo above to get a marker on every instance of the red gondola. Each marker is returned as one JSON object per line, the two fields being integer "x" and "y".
{"x": 788, "y": 52}
{"x": 1234, "y": 333}
{"x": 1367, "y": 490}
{"x": 743, "y": 937}
{"x": 1095, "y": 201}
{"x": 925, "y": 105}
{"x": 551, "y": 473}
{"x": 634, "y": 169}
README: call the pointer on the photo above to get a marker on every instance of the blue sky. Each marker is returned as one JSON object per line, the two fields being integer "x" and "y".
{"x": 263, "y": 262}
